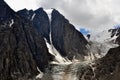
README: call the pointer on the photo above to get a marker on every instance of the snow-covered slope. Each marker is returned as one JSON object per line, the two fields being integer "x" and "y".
{"x": 104, "y": 36}
{"x": 58, "y": 58}
{"x": 103, "y": 41}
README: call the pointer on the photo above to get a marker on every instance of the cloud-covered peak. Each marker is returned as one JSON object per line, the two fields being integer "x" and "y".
{"x": 94, "y": 15}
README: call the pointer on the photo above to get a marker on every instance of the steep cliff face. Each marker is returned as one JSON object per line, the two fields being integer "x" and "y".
{"x": 64, "y": 37}
{"x": 22, "y": 48}
{"x": 67, "y": 40}
{"x": 39, "y": 19}
{"x": 16, "y": 58}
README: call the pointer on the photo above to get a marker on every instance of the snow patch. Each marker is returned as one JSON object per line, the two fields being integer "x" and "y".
{"x": 49, "y": 13}
{"x": 58, "y": 58}
{"x": 33, "y": 16}
{"x": 40, "y": 75}
{"x": 11, "y": 22}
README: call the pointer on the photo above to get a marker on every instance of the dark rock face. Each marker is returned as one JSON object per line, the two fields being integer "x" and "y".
{"x": 16, "y": 58}
{"x": 6, "y": 11}
{"x": 39, "y": 19}
{"x": 22, "y": 48}
{"x": 108, "y": 67}
{"x": 67, "y": 40}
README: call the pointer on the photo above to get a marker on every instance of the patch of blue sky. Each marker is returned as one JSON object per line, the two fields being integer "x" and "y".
{"x": 84, "y": 31}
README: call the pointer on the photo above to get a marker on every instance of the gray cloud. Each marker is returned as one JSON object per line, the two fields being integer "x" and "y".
{"x": 94, "y": 15}
{"x": 90, "y": 14}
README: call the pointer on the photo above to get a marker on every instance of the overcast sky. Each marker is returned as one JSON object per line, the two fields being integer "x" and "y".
{"x": 94, "y": 15}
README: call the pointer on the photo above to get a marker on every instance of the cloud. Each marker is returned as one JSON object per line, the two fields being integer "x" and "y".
{"x": 94, "y": 15}
{"x": 91, "y": 14}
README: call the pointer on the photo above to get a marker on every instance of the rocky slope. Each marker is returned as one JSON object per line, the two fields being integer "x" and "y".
{"x": 22, "y": 48}
{"x": 108, "y": 67}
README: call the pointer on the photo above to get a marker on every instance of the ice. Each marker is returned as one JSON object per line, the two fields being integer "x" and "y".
{"x": 101, "y": 36}
{"x": 103, "y": 41}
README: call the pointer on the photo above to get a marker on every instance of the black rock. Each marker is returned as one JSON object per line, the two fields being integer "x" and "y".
{"x": 6, "y": 11}
{"x": 22, "y": 48}
{"x": 66, "y": 39}
{"x": 108, "y": 67}
{"x": 39, "y": 19}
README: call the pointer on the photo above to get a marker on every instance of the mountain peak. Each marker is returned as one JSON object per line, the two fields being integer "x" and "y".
{"x": 39, "y": 10}
{"x": 5, "y": 10}
{"x": 55, "y": 12}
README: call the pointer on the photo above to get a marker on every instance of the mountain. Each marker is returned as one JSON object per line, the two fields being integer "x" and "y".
{"x": 22, "y": 49}
{"x": 58, "y": 31}
{"x": 108, "y": 67}
{"x": 44, "y": 45}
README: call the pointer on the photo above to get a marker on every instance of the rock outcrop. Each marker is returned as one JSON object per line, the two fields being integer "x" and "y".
{"x": 22, "y": 48}
{"x": 108, "y": 67}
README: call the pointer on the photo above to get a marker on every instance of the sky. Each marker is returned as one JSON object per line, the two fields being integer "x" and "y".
{"x": 90, "y": 15}
{"x": 84, "y": 31}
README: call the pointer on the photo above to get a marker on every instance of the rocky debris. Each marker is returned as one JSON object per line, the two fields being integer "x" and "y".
{"x": 107, "y": 68}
